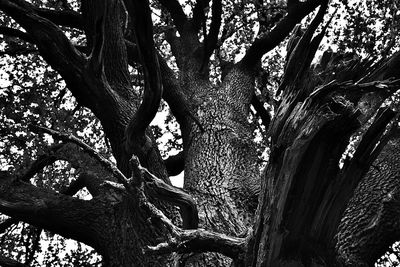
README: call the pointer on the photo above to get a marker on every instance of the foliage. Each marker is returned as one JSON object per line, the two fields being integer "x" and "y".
{"x": 33, "y": 92}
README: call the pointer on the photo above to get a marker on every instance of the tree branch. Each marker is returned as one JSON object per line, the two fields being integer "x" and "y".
{"x": 159, "y": 189}
{"x": 201, "y": 240}
{"x": 175, "y": 164}
{"x": 143, "y": 28}
{"x": 107, "y": 72}
{"x": 173, "y": 195}
{"x": 340, "y": 192}
{"x": 47, "y": 209}
{"x": 367, "y": 146}
{"x": 303, "y": 50}
{"x": 109, "y": 166}
{"x": 68, "y": 18}
{"x": 198, "y": 240}
{"x": 6, "y": 224}
{"x": 41, "y": 162}
{"x": 155, "y": 185}
{"x": 87, "y": 180}
{"x": 18, "y": 51}
{"x": 8, "y": 262}
{"x": 266, "y": 43}
{"x": 15, "y": 33}
{"x": 53, "y": 45}
{"x": 261, "y": 111}
{"x": 176, "y": 100}
{"x": 176, "y": 12}
{"x": 211, "y": 40}
{"x": 199, "y": 14}
{"x": 388, "y": 69}
{"x": 96, "y": 59}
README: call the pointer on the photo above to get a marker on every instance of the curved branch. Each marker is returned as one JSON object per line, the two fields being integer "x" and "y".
{"x": 41, "y": 162}
{"x": 201, "y": 240}
{"x": 367, "y": 147}
{"x": 96, "y": 59}
{"x": 105, "y": 37}
{"x": 143, "y": 28}
{"x": 47, "y": 209}
{"x": 388, "y": 69}
{"x": 109, "y": 166}
{"x": 266, "y": 43}
{"x": 198, "y": 240}
{"x": 52, "y": 43}
{"x": 175, "y": 196}
{"x": 87, "y": 180}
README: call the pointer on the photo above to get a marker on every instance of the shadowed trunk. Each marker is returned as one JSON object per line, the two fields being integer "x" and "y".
{"x": 305, "y": 189}
{"x": 370, "y": 223}
{"x": 301, "y": 195}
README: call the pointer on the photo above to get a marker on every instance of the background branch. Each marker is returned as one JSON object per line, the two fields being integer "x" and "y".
{"x": 47, "y": 209}
{"x": 270, "y": 40}
{"x": 68, "y": 18}
{"x": 7, "y": 223}
{"x": 211, "y": 40}
{"x": 261, "y": 111}
{"x": 8, "y": 262}
{"x": 176, "y": 12}
{"x": 15, "y": 33}
{"x": 109, "y": 166}
{"x": 199, "y": 16}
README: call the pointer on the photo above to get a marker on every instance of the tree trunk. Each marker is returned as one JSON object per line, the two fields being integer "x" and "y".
{"x": 220, "y": 159}
{"x": 370, "y": 223}
{"x": 305, "y": 192}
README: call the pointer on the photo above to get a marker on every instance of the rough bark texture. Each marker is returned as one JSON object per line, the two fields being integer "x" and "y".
{"x": 371, "y": 221}
{"x": 113, "y": 223}
{"x": 220, "y": 166}
{"x": 303, "y": 191}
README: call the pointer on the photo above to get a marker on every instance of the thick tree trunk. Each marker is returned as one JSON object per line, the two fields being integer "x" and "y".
{"x": 305, "y": 192}
{"x": 220, "y": 160}
{"x": 126, "y": 232}
{"x": 370, "y": 223}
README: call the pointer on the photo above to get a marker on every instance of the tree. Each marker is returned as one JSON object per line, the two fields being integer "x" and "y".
{"x": 119, "y": 66}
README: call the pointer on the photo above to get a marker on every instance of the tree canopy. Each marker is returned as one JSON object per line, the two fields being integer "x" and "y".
{"x": 281, "y": 117}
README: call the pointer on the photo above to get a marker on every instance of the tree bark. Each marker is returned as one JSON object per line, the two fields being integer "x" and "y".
{"x": 304, "y": 192}
{"x": 370, "y": 223}
{"x": 220, "y": 161}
